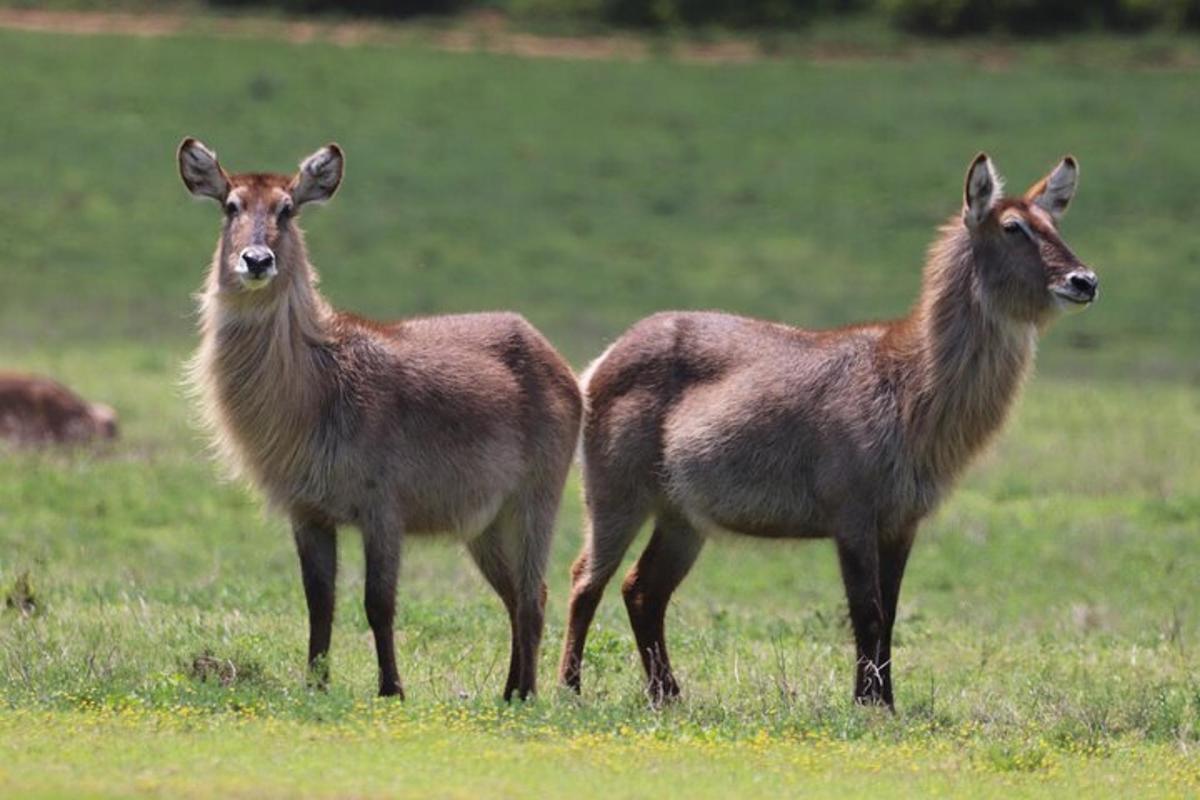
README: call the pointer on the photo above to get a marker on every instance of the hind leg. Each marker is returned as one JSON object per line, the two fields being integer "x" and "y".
{"x": 489, "y": 554}
{"x": 612, "y": 525}
{"x": 512, "y": 555}
{"x": 533, "y": 530}
{"x": 647, "y": 589}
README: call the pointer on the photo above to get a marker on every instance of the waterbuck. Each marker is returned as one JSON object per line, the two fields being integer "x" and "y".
{"x": 459, "y": 424}
{"x": 712, "y": 422}
{"x": 37, "y": 410}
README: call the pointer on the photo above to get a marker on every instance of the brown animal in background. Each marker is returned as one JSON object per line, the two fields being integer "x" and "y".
{"x": 36, "y": 410}
{"x": 461, "y": 424}
{"x": 714, "y": 422}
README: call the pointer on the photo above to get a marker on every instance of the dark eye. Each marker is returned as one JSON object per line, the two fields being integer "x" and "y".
{"x": 1012, "y": 226}
{"x": 231, "y": 208}
{"x": 285, "y": 211}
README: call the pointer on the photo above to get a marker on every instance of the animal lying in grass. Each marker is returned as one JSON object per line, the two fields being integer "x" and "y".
{"x": 35, "y": 410}
{"x": 713, "y": 422}
{"x": 460, "y": 424}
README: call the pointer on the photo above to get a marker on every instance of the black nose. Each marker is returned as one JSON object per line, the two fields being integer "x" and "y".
{"x": 1085, "y": 283}
{"x": 258, "y": 261}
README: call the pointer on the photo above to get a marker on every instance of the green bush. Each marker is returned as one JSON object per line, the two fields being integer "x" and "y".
{"x": 591, "y": 11}
{"x": 1033, "y": 17}
{"x": 373, "y": 8}
{"x": 625, "y": 13}
{"x": 729, "y": 13}
{"x": 930, "y": 17}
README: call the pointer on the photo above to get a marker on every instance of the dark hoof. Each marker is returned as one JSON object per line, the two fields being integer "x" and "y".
{"x": 317, "y": 678}
{"x": 392, "y": 690}
{"x": 663, "y": 691}
{"x": 569, "y": 677}
{"x": 875, "y": 701}
{"x": 523, "y": 695}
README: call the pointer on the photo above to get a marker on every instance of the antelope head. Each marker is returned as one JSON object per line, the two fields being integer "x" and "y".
{"x": 1025, "y": 270}
{"x": 261, "y": 247}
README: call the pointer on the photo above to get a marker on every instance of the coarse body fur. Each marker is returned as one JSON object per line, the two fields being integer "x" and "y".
{"x": 36, "y": 410}
{"x": 455, "y": 424}
{"x": 712, "y": 422}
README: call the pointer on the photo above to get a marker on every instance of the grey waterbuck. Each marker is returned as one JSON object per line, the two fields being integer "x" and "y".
{"x": 459, "y": 424}
{"x": 711, "y": 422}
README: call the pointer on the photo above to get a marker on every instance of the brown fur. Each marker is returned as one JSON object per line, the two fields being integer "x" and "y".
{"x": 711, "y": 422}
{"x": 462, "y": 424}
{"x": 35, "y": 410}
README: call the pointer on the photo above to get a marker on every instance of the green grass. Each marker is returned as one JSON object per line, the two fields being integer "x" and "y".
{"x": 585, "y": 194}
{"x": 1049, "y": 623}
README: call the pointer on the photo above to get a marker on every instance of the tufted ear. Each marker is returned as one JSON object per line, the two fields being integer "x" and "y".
{"x": 984, "y": 187}
{"x": 1053, "y": 193}
{"x": 200, "y": 171}
{"x": 319, "y": 176}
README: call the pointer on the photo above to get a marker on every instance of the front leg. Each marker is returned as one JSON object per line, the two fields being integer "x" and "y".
{"x": 894, "y": 548}
{"x": 858, "y": 554}
{"x": 382, "y": 538}
{"x": 316, "y": 543}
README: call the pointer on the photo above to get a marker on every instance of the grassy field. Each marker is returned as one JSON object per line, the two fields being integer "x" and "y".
{"x": 1049, "y": 625}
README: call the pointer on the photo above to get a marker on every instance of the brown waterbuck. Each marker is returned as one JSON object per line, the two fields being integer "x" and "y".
{"x": 457, "y": 424}
{"x": 711, "y": 422}
{"x": 36, "y": 410}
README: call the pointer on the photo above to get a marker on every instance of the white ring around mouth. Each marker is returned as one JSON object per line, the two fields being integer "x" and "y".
{"x": 1068, "y": 299}
{"x": 255, "y": 283}
{"x": 252, "y": 283}
{"x": 1074, "y": 298}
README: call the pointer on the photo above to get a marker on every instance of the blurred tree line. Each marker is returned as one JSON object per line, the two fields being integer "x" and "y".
{"x": 937, "y": 17}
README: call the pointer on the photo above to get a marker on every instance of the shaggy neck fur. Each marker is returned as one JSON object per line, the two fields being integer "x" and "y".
{"x": 256, "y": 372}
{"x": 960, "y": 363}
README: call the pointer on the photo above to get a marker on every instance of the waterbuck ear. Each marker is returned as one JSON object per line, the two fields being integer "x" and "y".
{"x": 319, "y": 176}
{"x": 1053, "y": 193}
{"x": 983, "y": 189}
{"x": 200, "y": 171}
